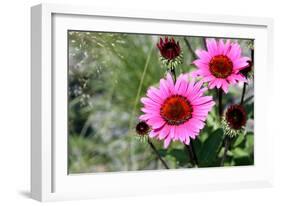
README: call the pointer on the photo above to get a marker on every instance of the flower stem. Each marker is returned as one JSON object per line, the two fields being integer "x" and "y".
{"x": 191, "y": 153}
{"x": 243, "y": 93}
{"x": 173, "y": 73}
{"x": 190, "y": 48}
{"x": 204, "y": 43}
{"x": 220, "y": 102}
{"x": 194, "y": 153}
{"x": 226, "y": 147}
{"x": 157, "y": 153}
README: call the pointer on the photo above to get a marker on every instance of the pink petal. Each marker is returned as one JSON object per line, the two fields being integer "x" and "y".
{"x": 218, "y": 83}
{"x": 221, "y": 47}
{"x": 227, "y": 47}
{"x": 155, "y": 108}
{"x": 153, "y": 133}
{"x": 201, "y": 64}
{"x": 164, "y": 89}
{"x": 183, "y": 87}
{"x": 172, "y": 132}
{"x": 155, "y": 95}
{"x": 225, "y": 87}
{"x": 176, "y": 133}
{"x": 197, "y": 86}
{"x": 208, "y": 78}
{"x": 234, "y": 52}
{"x": 212, "y": 47}
{"x": 192, "y": 129}
{"x": 187, "y": 141}
{"x": 178, "y": 83}
{"x": 241, "y": 63}
{"x": 170, "y": 82}
{"x": 212, "y": 84}
{"x": 200, "y": 112}
{"x": 200, "y": 117}
{"x": 190, "y": 87}
{"x": 167, "y": 142}
{"x": 182, "y": 132}
{"x": 195, "y": 73}
{"x": 239, "y": 77}
{"x": 149, "y": 110}
{"x": 144, "y": 117}
{"x": 201, "y": 100}
{"x": 156, "y": 122}
{"x": 164, "y": 132}
{"x": 231, "y": 79}
{"x": 207, "y": 106}
{"x": 204, "y": 56}
{"x": 147, "y": 101}
{"x": 196, "y": 124}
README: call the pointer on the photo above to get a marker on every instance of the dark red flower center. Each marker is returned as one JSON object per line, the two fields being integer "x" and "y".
{"x": 142, "y": 128}
{"x": 168, "y": 48}
{"x": 176, "y": 110}
{"x": 236, "y": 116}
{"x": 221, "y": 66}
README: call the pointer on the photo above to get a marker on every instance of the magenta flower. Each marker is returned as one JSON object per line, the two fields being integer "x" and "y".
{"x": 176, "y": 111}
{"x": 220, "y": 65}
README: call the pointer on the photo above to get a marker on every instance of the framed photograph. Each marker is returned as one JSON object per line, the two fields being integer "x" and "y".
{"x": 135, "y": 102}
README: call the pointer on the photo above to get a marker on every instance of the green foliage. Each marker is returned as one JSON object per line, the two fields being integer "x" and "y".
{"x": 208, "y": 152}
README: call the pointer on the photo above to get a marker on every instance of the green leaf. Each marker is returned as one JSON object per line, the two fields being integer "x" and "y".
{"x": 212, "y": 119}
{"x": 238, "y": 152}
{"x": 244, "y": 155}
{"x": 180, "y": 156}
{"x": 239, "y": 140}
{"x": 250, "y": 142}
{"x": 245, "y": 160}
{"x": 210, "y": 147}
{"x": 229, "y": 153}
{"x": 250, "y": 110}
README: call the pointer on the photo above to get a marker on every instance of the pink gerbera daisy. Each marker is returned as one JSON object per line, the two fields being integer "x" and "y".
{"x": 220, "y": 65}
{"x": 176, "y": 111}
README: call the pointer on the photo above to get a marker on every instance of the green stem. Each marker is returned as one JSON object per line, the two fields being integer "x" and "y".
{"x": 245, "y": 84}
{"x": 204, "y": 43}
{"x": 243, "y": 93}
{"x": 248, "y": 99}
{"x": 190, "y": 48}
{"x": 157, "y": 153}
{"x": 195, "y": 159}
{"x": 140, "y": 87}
{"x": 226, "y": 147}
{"x": 220, "y": 102}
{"x": 191, "y": 153}
{"x": 173, "y": 73}
{"x": 131, "y": 122}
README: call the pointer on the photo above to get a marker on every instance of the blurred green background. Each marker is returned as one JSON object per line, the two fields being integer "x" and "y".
{"x": 105, "y": 72}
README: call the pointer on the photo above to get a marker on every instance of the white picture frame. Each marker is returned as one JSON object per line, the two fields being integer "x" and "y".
{"x": 49, "y": 178}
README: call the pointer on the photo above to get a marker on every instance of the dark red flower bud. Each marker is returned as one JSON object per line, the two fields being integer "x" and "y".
{"x": 142, "y": 128}
{"x": 168, "y": 48}
{"x": 236, "y": 116}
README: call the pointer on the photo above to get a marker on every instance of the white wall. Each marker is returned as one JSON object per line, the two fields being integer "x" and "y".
{"x": 15, "y": 95}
